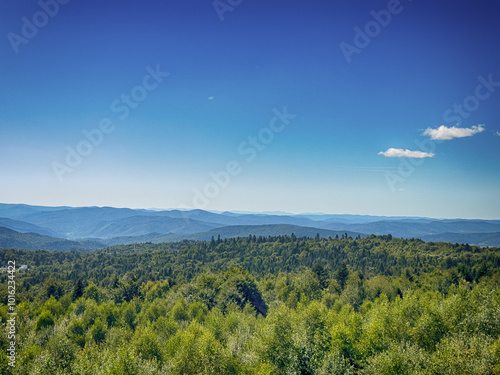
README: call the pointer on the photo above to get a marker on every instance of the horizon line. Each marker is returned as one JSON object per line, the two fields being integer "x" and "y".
{"x": 245, "y": 212}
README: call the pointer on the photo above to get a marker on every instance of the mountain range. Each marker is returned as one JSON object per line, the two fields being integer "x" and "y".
{"x": 87, "y": 228}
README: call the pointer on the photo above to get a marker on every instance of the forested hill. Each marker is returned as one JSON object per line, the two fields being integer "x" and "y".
{"x": 123, "y": 225}
{"x": 233, "y": 231}
{"x": 254, "y": 305}
{"x": 180, "y": 261}
{"x": 34, "y": 241}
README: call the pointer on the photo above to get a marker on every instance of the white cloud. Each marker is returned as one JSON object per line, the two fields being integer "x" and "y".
{"x": 446, "y": 133}
{"x": 210, "y": 98}
{"x": 400, "y": 153}
{"x": 498, "y": 133}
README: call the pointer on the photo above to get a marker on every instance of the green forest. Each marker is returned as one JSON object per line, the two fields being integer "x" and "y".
{"x": 256, "y": 305}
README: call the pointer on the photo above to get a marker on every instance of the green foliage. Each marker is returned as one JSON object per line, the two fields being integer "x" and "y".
{"x": 129, "y": 313}
{"x": 321, "y": 274}
{"x": 30, "y": 353}
{"x": 109, "y": 314}
{"x": 90, "y": 314}
{"x": 180, "y": 311}
{"x": 281, "y": 305}
{"x": 98, "y": 332}
{"x": 78, "y": 290}
{"x": 45, "y": 320}
{"x": 336, "y": 364}
{"x": 54, "y": 306}
{"x": 354, "y": 291}
{"x": 308, "y": 286}
{"x": 462, "y": 354}
{"x": 127, "y": 362}
{"x": 76, "y": 332}
{"x": 125, "y": 268}
{"x": 151, "y": 312}
{"x": 5, "y": 368}
{"x": 314, "y": 339}
{"x": 62, "y": 354}
{"x": 165, "y": 328}
{"x": 239, "y": 288}
{"x": 128, "y": 291}
{"x": 197, "y": 311}
{"x": 92, "y": 292}
{"x": 277, "y": 346}
{"x": 195, "y": 350}
{"x": 152, "y": 290}
{"x": 346, "y": 332}
{"x": 341, "y": 275}
{"x": 148, "y": 345}
{"x": 54, "y": 287}
{"x": 399, "y": 359}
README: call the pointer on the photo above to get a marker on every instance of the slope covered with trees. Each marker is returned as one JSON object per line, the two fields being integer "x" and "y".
{"x": 33, "y": 241}
{"x": 277, "y": 305}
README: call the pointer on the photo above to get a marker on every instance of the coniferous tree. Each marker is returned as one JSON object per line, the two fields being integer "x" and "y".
{"x": 342, "y": 274}
{"x": 78, "y": 290}
{"x": 321, "y": 273}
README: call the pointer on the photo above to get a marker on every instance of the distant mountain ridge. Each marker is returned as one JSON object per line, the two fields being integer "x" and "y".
{"x": 109, "y": 225}
{"x": 479, "y": 239}
{"x": 10, "y": 239}
{"x": 235, "y": 231}
{"x": 416, "y": 228}
{"x": 24, "y": 227}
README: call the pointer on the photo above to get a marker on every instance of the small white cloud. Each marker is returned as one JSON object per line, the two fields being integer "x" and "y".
{"x": 498, "y": 133}
{"x": 210, "y": 98}
{"x": 445, "y": 133}
{"x": 400, "y": 153}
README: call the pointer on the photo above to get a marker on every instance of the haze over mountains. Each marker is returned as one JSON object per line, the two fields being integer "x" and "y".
{"x": 86, "y": 228}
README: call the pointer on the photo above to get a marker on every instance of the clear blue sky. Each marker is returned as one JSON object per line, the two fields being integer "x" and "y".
{"x": 231, "y": 70}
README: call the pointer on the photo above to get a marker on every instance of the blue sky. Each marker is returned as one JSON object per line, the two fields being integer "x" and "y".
{"x": 262, "y": 108}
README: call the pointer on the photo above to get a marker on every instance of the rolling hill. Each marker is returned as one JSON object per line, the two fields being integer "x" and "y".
{"x": 234, "y": 231}
{"x": 123, "y": 225}
{"x": 10, "y": 239}
{"x": 24, "y": 227}
{"x": 479, "y": 239}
